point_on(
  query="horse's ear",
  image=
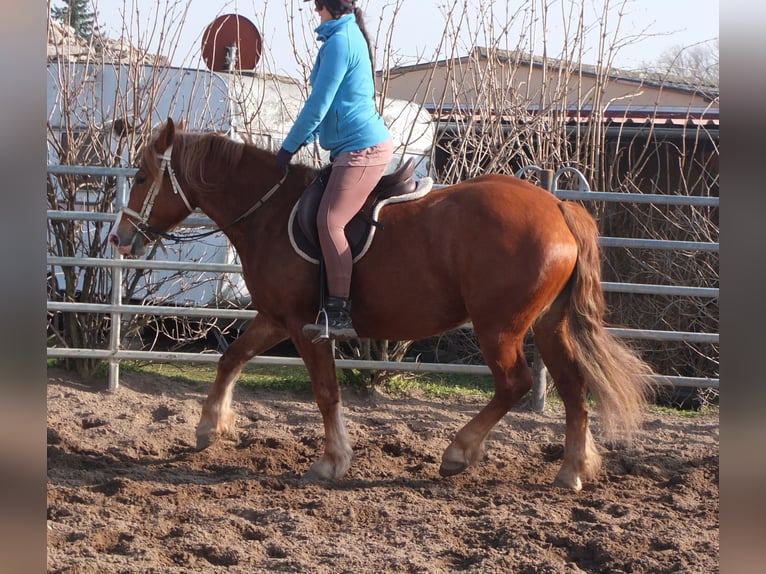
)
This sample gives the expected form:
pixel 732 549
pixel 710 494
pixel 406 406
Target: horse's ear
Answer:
pixel 181 125
pixel 165 137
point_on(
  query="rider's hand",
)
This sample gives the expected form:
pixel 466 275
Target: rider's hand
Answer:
pixel 283 160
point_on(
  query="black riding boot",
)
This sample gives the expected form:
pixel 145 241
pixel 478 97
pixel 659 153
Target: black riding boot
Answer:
pixel 338 313
pixel 334 321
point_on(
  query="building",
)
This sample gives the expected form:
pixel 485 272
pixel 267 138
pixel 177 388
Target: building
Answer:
pixel 503 95
pixel 472 81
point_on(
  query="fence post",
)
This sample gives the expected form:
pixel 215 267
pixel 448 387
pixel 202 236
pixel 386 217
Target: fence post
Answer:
pixel 116 300
pixel 114 335
pixel 539 372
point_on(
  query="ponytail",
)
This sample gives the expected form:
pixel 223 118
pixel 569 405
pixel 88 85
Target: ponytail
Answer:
pixel 360 22
pixel 338 8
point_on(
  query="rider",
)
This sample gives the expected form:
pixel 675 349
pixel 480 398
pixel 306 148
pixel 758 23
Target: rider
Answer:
pixel 341 110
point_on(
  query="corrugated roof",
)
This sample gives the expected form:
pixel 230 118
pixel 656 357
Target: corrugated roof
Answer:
pixel 618 115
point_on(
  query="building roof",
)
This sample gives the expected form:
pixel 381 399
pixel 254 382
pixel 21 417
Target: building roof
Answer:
pixel 665 81
pixel 617 119
pixel 64 45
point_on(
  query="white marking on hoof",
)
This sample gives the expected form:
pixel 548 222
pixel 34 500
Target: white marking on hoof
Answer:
pixel 321 470
pixel 325 469
pixel 209 432
pixel 454 461
pixel 566 478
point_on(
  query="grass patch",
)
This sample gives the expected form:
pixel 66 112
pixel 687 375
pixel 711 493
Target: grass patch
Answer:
pixel 705 410
pixel 294 379
pixel 439 385
pixel 400 384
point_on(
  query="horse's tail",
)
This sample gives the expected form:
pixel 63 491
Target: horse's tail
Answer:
pixel 614 373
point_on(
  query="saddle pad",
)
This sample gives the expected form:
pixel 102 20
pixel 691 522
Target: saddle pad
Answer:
pixel 307 250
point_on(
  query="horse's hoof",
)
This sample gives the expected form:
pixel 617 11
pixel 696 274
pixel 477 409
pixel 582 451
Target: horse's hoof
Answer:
pixel 204 441
pixel 452 467
pixel 320 471
pixel 313 477
pixel 456 459
pixel 326 469
pixel 569 481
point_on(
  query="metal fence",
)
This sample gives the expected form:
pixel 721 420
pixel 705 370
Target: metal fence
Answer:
pixel 117 309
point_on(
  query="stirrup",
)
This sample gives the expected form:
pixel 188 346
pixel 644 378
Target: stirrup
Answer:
pixel 317 331
pixel 322 331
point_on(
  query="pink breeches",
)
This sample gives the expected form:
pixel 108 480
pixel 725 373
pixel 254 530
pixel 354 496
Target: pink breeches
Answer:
pixel 354 175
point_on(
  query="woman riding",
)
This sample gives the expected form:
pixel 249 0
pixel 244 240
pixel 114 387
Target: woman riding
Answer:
pixel 341 111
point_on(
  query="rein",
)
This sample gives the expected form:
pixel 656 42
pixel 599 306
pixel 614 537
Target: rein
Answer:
pixel 143 226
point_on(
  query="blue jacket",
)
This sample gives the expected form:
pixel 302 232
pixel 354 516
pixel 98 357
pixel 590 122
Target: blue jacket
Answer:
pixel 340 109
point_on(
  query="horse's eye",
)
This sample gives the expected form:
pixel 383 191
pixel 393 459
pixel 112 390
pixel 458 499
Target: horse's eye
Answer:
pixel 140 179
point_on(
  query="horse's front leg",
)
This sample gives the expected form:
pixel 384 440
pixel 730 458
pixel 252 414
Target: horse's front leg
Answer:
pixel 218 418
pixel 319 360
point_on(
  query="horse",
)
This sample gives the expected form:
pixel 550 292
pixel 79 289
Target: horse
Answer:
pixel 495 250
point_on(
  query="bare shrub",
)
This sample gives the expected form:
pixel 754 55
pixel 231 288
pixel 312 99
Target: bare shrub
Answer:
pixel 104 96
pixel 491 118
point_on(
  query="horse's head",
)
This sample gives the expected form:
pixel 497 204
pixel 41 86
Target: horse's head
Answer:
pixel 156 202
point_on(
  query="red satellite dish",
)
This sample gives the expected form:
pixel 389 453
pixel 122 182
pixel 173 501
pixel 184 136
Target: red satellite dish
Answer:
pixel 231 37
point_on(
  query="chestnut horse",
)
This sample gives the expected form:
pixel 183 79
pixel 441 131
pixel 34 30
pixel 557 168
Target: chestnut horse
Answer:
pixel 496 250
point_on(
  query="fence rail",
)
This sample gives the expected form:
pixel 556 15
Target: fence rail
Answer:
pixel 117 309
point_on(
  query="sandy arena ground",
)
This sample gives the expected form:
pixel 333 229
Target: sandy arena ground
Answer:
pixel 127 492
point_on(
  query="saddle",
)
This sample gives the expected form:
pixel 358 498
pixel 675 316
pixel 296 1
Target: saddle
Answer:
pixel 397 186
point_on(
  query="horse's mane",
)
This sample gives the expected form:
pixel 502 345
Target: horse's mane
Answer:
pixel 204 157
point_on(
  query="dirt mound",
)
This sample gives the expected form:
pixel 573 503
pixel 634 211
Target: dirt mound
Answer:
pixel 128 493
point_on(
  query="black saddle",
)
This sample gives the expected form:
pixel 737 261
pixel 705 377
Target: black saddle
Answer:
pixel 304 221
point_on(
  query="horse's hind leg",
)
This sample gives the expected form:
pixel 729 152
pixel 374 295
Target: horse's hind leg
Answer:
pixel 581 458
pixel 512 379
pixel 218 418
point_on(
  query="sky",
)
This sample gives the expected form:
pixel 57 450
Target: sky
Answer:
pixel 646 29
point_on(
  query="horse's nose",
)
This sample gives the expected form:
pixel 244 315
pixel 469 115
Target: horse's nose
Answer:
pixel 114 239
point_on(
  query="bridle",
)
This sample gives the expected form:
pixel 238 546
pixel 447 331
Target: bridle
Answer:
pixel 154 190
pixel 141 222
